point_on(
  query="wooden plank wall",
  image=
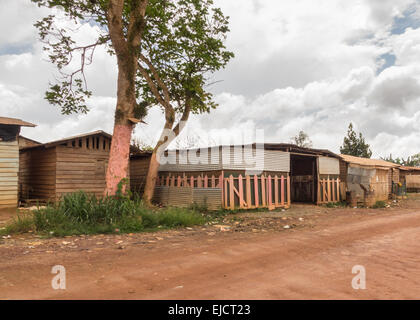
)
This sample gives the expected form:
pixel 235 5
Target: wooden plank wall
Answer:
pixel 379 184
pixel 81 165
pixel 9 167
pixel 37 174
pixel 138 172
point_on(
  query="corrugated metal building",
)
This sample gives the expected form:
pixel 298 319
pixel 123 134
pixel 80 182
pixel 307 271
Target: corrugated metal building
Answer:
pixel 410 176
pixel 286 171
pixel 369 179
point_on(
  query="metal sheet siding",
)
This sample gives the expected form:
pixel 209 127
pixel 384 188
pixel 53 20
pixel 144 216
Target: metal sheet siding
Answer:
pixel 228 158
pixel 184 196
pixel 191 161
pixel 329 165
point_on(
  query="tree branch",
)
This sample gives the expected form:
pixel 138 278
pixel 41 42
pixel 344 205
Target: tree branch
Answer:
pixel 161 84
pixel 115 26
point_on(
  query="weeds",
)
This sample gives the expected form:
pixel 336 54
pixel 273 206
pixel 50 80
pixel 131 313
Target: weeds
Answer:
pixel 81 213
pixel 379 204
pixel 340 204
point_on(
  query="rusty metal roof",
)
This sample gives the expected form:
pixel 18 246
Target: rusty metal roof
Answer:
pixel 406 168
pixel 15 122
pixel 133 149
pixel 368 162
pixel 64 140
pixel 286 147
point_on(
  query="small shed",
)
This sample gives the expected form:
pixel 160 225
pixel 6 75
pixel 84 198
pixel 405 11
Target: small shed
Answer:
pixel 50 170
pixel 9 160
pixel 411 177
pixel 369 179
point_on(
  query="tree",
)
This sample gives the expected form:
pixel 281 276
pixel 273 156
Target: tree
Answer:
pixel 302 140
pixel 165 51
pixel 412 161
pixel 355 146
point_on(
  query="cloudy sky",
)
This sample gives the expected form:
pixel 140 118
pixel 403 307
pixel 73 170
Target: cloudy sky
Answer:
pixel 300 65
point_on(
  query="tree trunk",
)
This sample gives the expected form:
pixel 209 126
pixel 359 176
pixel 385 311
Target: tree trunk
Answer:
pixel 166 138
pixel 119 157
pixel 152 174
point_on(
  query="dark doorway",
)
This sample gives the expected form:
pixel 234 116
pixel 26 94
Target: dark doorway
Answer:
pixel 303 172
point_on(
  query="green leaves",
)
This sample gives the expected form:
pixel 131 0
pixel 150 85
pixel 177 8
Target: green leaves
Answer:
pixel 70 97
pixel 355 146
pixel 183 40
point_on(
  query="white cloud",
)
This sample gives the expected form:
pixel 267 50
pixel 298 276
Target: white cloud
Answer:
pixel 299 65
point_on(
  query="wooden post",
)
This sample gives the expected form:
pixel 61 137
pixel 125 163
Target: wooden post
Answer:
pixel 329 189
pixel 173 181
pixel 167 181
pixel 263 194
pixel 221 186
pixel 213 181
pixel 248 191
pixel 282 190
pixel 276 191
pixel 319 192
pixel 270 193
pixel 288 191
pixel 231 193
pixel 241 191
pixel 192 181
pixel 185 181
pixel 225 192
pixel 199 182
pixel 206 181
pixel 179 181
pixel 338 189
pixel 257 200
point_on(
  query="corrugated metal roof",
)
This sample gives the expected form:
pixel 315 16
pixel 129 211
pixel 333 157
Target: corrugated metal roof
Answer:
pixel 406 168
pixel 134 150
pixel 287 147
pixel 368 162
pixel 15 122
pixel 64 140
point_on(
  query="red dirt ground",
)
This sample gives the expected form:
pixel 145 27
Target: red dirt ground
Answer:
pixel 251 256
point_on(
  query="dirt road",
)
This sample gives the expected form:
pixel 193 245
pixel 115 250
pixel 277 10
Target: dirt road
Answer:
pixel 307 261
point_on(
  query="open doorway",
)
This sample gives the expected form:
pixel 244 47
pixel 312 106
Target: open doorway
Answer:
pixel 303 173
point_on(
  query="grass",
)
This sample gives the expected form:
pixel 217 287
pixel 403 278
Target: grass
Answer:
pixel 379 204
pixel 340 204
pixel 80 213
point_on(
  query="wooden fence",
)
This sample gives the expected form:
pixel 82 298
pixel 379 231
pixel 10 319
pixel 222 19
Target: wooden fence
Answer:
pixel 328 190
pixel 246 192
pixel 192 182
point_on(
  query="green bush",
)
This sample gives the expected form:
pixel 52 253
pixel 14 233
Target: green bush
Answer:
pixel 379 204
pixel 81 213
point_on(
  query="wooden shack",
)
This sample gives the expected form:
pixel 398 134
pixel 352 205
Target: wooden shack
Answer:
pixel 50 170
pixel 370 180
pixel 9 160
pixel 251 176
pixel 410 176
